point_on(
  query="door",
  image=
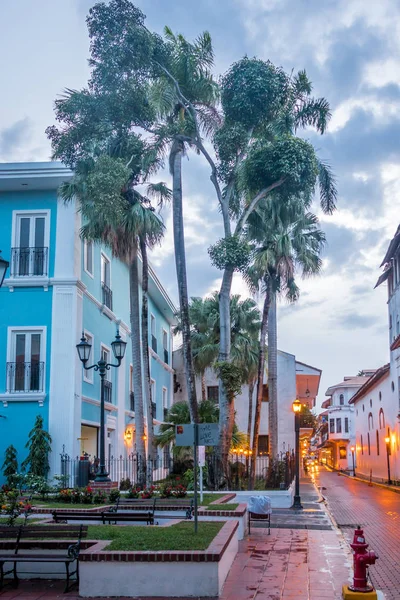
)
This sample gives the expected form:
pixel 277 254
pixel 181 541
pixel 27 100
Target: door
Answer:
pixel 31 258
pixel 26 373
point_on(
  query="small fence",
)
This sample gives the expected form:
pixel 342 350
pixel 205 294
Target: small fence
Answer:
pixel 269 473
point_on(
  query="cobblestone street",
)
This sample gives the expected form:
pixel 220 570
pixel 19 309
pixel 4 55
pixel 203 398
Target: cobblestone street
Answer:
pixel 377 510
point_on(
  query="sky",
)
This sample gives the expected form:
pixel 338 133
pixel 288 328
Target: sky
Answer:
pixel 351 52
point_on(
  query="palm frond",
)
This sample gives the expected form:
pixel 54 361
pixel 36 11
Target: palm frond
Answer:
pixel 327 187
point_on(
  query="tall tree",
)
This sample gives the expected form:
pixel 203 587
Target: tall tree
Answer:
pixel 39 446
pixel 287 239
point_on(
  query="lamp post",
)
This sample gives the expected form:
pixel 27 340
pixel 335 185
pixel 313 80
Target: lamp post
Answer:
pixel 388 453
pixel 352 456
pixel 296 409
pixel 3 268
pixel 84 348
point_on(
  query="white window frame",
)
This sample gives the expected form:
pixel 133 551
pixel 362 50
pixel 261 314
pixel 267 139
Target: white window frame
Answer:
pixel 26 396
pixel 16 214
pixel 130 378
pixel 165 395
pixel 165 332
pixel 153 320
pixel 107 349
pixel 153 391
pixel 85 265
pixel 88 375
pixel 103 255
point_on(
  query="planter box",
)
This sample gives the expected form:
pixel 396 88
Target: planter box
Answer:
pixel 239 515
pixel 161 574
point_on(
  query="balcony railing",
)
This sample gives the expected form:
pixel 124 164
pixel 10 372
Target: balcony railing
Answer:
pixel 131 401
pixel 25 377
pixel 107 391
pixel 166 356
pixel 154 343
pixel 107 296
pixel 153 410
pixel 29 262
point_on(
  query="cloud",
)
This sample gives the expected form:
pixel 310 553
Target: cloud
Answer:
pixel 15 138
pixel 352 320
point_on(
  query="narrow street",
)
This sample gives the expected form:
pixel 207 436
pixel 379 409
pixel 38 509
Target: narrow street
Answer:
pixel 377 510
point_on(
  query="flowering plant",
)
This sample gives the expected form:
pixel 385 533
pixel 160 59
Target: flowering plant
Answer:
pixel 87 495
pixel 76 496
pixel 135 491
pixel 179 491
pixel 148 492
pixel 166 491
pixel 13 508
pixel 64 495
pixel 100 497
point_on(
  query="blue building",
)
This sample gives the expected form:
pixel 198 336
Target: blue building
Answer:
pixel 58 286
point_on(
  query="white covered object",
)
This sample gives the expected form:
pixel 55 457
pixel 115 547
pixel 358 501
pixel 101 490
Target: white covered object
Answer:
pixel 260 505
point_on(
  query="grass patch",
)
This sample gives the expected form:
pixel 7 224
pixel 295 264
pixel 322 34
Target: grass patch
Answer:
pixel 177 537
pixel 20 521
pixel 208 498
pixel 222 506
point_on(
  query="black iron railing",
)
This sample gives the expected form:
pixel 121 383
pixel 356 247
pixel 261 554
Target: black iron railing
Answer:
pixel 25 376
pixel 131 401
pixel 29 262
pixel 153 343
pixel 166 356
pixel 107 391
pixel 107 296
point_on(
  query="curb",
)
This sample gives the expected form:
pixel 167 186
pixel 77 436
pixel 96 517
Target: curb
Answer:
pixel 372 483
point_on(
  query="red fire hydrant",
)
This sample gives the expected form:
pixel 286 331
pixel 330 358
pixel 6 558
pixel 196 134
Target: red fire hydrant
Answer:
pixel 362 559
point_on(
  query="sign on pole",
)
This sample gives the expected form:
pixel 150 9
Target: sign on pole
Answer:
pixel 202 456
pixel 208 434
pixel 184 435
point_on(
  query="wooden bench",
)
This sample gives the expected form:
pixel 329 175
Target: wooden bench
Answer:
pixel 185 504
pixel 257 517
pixel 32 532
pixel 106 516
pixel 70 556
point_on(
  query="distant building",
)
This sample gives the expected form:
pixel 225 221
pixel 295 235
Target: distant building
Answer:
pixel 295 380
pixel 57 287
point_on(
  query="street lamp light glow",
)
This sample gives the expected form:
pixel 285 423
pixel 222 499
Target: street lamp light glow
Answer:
pixel 352 448
pixel 387 440
pixel 296 406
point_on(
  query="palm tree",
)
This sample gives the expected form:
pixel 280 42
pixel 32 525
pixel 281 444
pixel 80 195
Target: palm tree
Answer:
pixel 187 81
pixel 286 239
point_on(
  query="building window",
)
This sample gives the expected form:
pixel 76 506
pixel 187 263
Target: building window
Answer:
pixel 88 373
pixel 362 445
pixel 341 400
pixel 105 355
pixel 263 445
pixel 370 402
pixel 212 393
pixel 331 425
pixel 392 386
pixel 338 425
pixel 131 393
pixel 369 444
pixel 165 401
pixel 377 442
pixel 363 408
pixel 88 257
pixel 346 424
pixel 342 452
pixel 390 322
pixel 381 419
pixel 153 333
pixel 380 396
pixel 106 282
pixel 153 399
pixel 165 346
pixel 370 421
pixel 29 256
pixel 25 368
pixel 265 394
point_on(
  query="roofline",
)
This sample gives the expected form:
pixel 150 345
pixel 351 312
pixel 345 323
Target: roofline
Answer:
pixel 309 366
pixel 162 290
pixel 371 383
pixel 33 169
pixel 343 384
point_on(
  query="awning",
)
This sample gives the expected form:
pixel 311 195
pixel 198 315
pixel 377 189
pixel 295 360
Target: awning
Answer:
pixel 384 276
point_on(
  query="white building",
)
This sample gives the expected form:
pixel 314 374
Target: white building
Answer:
pixel 295 380
pixel 339 430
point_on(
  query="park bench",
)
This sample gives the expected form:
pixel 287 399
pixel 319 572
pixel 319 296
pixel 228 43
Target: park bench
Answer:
pixel 68 556
pixel 184 504
pixel 106 516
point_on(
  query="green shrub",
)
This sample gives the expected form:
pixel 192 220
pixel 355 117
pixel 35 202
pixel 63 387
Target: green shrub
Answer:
pixel 114 495
pixel 166 490
pixel 100 497
pixel 87 495
pixel 134 492
pixel 76 496
pixel 125 485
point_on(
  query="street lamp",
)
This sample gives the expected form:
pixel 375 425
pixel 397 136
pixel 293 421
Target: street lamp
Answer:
pixel 3 268
pixel 83 349
pixel 388 453
pixel 352 456
pixel 296 409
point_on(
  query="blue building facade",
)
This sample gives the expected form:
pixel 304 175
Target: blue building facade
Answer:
pixel 58 286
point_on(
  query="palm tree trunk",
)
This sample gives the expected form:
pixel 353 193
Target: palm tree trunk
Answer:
pixel 203 386
pixel 260 382
pixel 137 367
pixel 250 417
pixel 180 261
pixel 146 360
pixel 226 404
pixel 273 380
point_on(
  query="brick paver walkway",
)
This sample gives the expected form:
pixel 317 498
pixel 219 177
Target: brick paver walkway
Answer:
pixel 377 510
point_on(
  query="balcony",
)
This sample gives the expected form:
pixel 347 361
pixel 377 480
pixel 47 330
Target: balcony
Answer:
pixel 24 377
pixel 131 401
pixel 166 356
pixel 107 296
pixel 153 343
pixel 29 262
pixel 107 391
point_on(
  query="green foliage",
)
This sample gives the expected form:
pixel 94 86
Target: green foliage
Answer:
pixel 188 477
pixel 253 92
pixel 125 484
pixel 230 253
pixel 10 465
pixel 231 376
pixel 114 495
pixel 13 507
pixel 100 497
pixel 39 446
